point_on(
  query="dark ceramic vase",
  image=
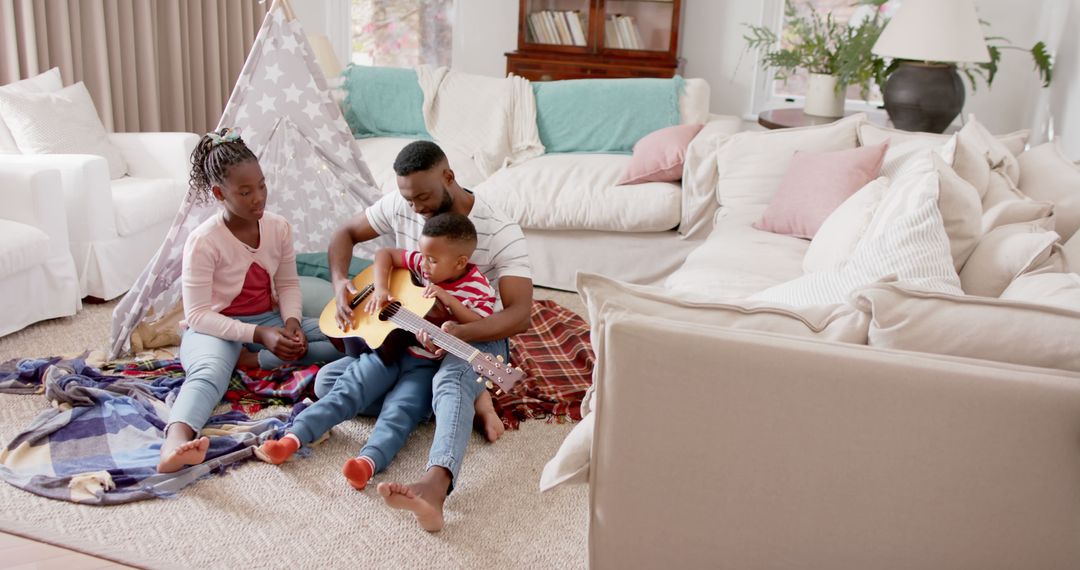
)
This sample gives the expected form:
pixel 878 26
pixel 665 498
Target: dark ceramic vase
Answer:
pixel 923 96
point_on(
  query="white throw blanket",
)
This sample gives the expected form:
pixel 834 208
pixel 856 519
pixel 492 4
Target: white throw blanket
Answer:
pixel 490 119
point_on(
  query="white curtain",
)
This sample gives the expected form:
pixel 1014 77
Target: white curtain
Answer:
pixel 150 65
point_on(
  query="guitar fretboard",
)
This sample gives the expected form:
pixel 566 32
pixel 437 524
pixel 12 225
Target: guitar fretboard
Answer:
pixel 414 323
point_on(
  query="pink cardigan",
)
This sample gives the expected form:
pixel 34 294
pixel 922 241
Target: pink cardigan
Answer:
pixel 215 265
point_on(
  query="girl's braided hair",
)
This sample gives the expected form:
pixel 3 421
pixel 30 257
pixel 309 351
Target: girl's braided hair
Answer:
pixel 211 160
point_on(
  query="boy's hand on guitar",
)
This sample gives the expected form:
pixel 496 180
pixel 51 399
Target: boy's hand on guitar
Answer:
pixel 343 295
pixel 434 290
pixel 428 344
pixel 280 342
pixel 379 299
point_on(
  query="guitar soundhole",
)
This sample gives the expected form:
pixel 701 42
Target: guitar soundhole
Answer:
pixel 389 310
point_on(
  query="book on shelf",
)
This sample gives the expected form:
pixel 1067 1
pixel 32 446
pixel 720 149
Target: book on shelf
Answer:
pixel 621 32
pixel 557 27
pixel 577 27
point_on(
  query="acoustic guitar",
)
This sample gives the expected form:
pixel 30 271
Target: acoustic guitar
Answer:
pixel 405 313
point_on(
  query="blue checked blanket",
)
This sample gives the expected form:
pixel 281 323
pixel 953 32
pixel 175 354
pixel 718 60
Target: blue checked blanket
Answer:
pixel 99 443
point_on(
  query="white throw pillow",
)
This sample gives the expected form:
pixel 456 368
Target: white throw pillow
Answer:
pixel 62 122
pixel 1015 212
pixel 42 83
pixel 987 164
pixel 1032 334
pixel 1003 255
pixel 751 164
pixel 906 239
pixel 835 241
pixel 1056 289
pixel 871 134
pixel 1046 174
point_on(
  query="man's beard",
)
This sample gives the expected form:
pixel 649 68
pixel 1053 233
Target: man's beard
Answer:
pixel 446 204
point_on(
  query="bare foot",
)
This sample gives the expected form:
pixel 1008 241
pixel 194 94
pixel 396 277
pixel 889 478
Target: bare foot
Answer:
pixel 188 453
pixel 248 360
pixel 410 498
pixel 486 420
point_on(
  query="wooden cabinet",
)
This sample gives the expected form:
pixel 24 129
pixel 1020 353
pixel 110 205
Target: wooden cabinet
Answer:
pixel 576 39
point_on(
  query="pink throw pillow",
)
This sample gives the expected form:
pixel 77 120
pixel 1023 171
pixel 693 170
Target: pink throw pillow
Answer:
pixel 659 155
pixel 815 184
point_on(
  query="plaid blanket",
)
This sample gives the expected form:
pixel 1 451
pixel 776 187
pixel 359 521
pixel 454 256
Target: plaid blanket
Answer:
pixel 556 354
pixel 100 443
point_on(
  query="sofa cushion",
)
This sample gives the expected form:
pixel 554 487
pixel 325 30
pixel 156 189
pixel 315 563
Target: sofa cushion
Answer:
pixel 751 164
pixel 1015 212
pixel 815 184
pixel 21 247
pixel 60 122
pixel 906 240
pixel 1004 254
pixel 736 260
pixel 1046 174
pixel 604 115
pixel 578 191
pixel 143 202
pixel 380 152
pixel 871 133
pixel 835 241
pixel 383 102
pixel 1022 333
pixel 46 82
pixel 1056 289
pixel 659 155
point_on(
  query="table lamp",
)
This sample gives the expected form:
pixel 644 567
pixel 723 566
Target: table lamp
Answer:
pixel 925 92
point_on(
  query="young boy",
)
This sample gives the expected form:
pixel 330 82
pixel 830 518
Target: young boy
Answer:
pixel 448 241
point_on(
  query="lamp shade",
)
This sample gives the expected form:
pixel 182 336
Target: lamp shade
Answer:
pixel 934 30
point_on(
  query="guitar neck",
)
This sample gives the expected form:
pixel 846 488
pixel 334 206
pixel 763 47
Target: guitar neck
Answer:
pixel 414 323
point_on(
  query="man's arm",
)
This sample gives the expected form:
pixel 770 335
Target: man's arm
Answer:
pixel 339 255
pixel 516 294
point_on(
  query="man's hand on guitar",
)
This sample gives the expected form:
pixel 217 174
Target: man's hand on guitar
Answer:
pixel 428 344
pixel 279 341
pixel 379 299
pixel 343 295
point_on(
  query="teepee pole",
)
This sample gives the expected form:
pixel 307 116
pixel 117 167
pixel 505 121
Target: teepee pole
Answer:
pixel 285 6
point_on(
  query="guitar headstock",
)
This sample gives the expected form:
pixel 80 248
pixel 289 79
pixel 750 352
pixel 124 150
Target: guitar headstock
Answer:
pixel 495 369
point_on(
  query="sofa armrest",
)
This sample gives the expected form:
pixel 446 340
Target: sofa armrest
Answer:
pixel 30 197
pixel 700 176
pixel 86 187
pixel 763 449
pixel 157 155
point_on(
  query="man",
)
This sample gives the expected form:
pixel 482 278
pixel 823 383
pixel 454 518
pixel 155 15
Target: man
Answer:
pixel 427 187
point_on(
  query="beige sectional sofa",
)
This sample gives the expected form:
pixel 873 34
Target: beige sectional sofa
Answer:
pixel 896 429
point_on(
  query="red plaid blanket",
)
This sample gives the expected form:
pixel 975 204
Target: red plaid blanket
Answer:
pixel 556 354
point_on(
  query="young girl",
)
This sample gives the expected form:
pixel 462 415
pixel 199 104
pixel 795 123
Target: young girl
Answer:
pixel 240 290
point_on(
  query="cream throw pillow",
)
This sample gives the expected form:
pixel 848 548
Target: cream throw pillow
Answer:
pixel 835 241
pixel 752 164
pixel 1056 289
pixel 906 239
pixel 42 83
pixel 61 122
pixel 1046 174
pixel 976 327
pixel 1004 254
pixel 1015 212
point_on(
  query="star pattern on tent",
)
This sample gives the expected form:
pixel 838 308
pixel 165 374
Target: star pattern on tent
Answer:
pixel 273 73
pixel 292 94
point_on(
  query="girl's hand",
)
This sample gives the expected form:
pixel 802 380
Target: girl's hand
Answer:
pixel 343 295
pixel 379 299
pixel 434 290
pixel 281 343
pixel 293 329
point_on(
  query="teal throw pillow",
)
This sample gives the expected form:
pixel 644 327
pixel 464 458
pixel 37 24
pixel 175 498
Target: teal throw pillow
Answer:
pixel 316 294
pixel 604 115
pixel 383 102
pixel 316 265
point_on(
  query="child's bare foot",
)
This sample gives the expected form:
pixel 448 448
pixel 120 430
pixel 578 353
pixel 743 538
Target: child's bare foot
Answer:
pixel 412 497
pixel 188 453
pixel 248 360
pixel 276 451
pixel 358 471
pixel 486 420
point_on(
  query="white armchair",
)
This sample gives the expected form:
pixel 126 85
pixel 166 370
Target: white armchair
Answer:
pixel 38 280
pixel 116 226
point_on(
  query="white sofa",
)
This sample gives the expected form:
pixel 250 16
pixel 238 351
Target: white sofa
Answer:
pixel 38 280
pixel 774 437
pixel 575 216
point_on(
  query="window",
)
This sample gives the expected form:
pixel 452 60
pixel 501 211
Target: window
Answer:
pixel 770 92
pixel 401 33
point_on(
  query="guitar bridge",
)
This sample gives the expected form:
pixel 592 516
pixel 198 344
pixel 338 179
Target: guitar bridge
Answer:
pixel 361 295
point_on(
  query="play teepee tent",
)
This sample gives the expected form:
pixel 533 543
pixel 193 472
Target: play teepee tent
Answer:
pixel 314 170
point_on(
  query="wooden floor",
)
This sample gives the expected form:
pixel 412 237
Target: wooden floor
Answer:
pixel 20 553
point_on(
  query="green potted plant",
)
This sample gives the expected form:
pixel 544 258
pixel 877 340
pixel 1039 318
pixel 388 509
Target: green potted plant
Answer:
pixel 835 54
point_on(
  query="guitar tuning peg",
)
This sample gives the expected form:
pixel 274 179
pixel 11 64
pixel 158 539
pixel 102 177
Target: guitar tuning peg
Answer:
pixel 499 358
pixel 489 384
pixel 479 379
pixel 498 392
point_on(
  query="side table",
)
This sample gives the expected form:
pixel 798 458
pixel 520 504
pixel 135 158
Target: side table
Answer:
pixel 794 117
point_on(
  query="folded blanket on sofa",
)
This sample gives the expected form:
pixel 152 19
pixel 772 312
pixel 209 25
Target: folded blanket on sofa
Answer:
pixel 493 120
